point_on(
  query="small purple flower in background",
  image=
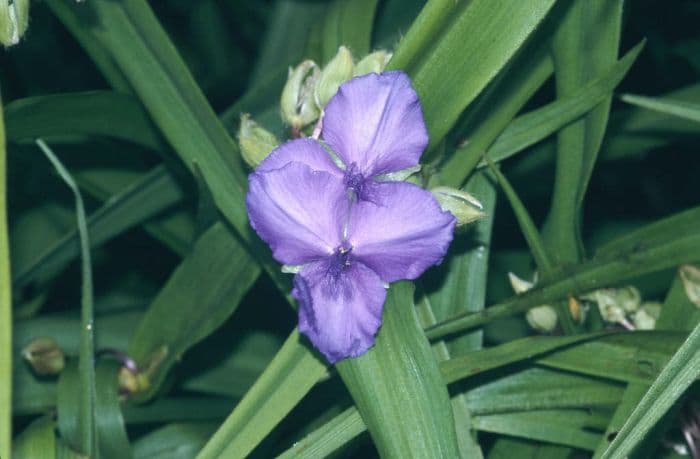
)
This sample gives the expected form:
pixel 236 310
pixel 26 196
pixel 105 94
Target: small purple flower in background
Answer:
pixel 374 125
pixel 349 247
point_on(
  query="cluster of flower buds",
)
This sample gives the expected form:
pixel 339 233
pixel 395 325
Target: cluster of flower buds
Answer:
pixel 305 95
pixel 624 306
pixel 309 88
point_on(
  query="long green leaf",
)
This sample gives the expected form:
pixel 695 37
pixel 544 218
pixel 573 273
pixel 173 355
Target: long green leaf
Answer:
pixel 493 110
pixel 347 22
pixel 37 440
pixel 136 41
pixel 5 308
pixel 564 427
pixel 112 440
pixel 86 366
pixel 538 124
pixel 153 193
pixel 682 370
pixel 288 378
pixel 480 35
pixel 407 416
pixel 93 113
pixel 584 46
pixel 200 295
pixel 643 251
pixel 174 441
pixel 679 108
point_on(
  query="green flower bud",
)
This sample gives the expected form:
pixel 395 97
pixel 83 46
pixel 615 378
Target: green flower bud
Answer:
pixel 45 356
pixel 14 19
pixel 542 318
pixel 465 207
pixel 646 316
pixel 336 72
pixel 297 102
pixel 690 276
pixel 255 141
pixel 372 63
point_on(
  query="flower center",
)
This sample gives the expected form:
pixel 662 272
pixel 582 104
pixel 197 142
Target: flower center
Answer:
pixel 340 260
pixel 354 180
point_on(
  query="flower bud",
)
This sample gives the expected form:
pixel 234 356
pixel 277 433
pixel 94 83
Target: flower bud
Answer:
pixel 14 19
pixel 465 207
pixel 336 72
pixel 44 356
pixel 690 276
pixel 542 318
pixel 297 102
pixel 608 304
pixel 372 63
pixel 628 298
pixel 646 316
pixel 255 141
pixel 519 285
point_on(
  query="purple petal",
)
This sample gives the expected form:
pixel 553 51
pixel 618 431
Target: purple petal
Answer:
pixel 306 151
pixel 339 312
pixel 375 121
pixel 403 236
pixel 297 211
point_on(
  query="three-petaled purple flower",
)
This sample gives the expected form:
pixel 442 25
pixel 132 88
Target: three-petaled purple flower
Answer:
pixel 350 232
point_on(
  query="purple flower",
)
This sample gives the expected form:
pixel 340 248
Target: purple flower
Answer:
pixel 348 248
pixel 374 125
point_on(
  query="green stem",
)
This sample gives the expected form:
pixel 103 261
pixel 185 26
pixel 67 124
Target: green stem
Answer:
pixel 86 359
pixel 5 312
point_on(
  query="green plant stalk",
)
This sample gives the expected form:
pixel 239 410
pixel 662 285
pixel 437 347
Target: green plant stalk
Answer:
pixel 5 309
pixel 584 46
pixel 588 276
pixel 534 242
pixel 86 367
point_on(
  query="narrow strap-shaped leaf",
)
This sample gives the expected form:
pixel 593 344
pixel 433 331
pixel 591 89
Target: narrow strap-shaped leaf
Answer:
pixel 564 427
pixel 198 297
pixel 406 415
pixel 640 252
pixel 584 45
pixel 5 308
pixel 682 370
pixel 325 440
pixel 349 23
pixel 92 113
pixel 112 441
pixel 36 440
pixel 86 365
pixel 494 109
pixel 285 381
pixel 678 313
pixel 136 41
pixel 679 108
pixel 538 124
pixel 174 441
pixel 151 194
pixel 480 35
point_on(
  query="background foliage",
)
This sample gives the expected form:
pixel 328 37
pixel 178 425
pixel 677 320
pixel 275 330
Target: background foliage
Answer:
pixel 140 104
